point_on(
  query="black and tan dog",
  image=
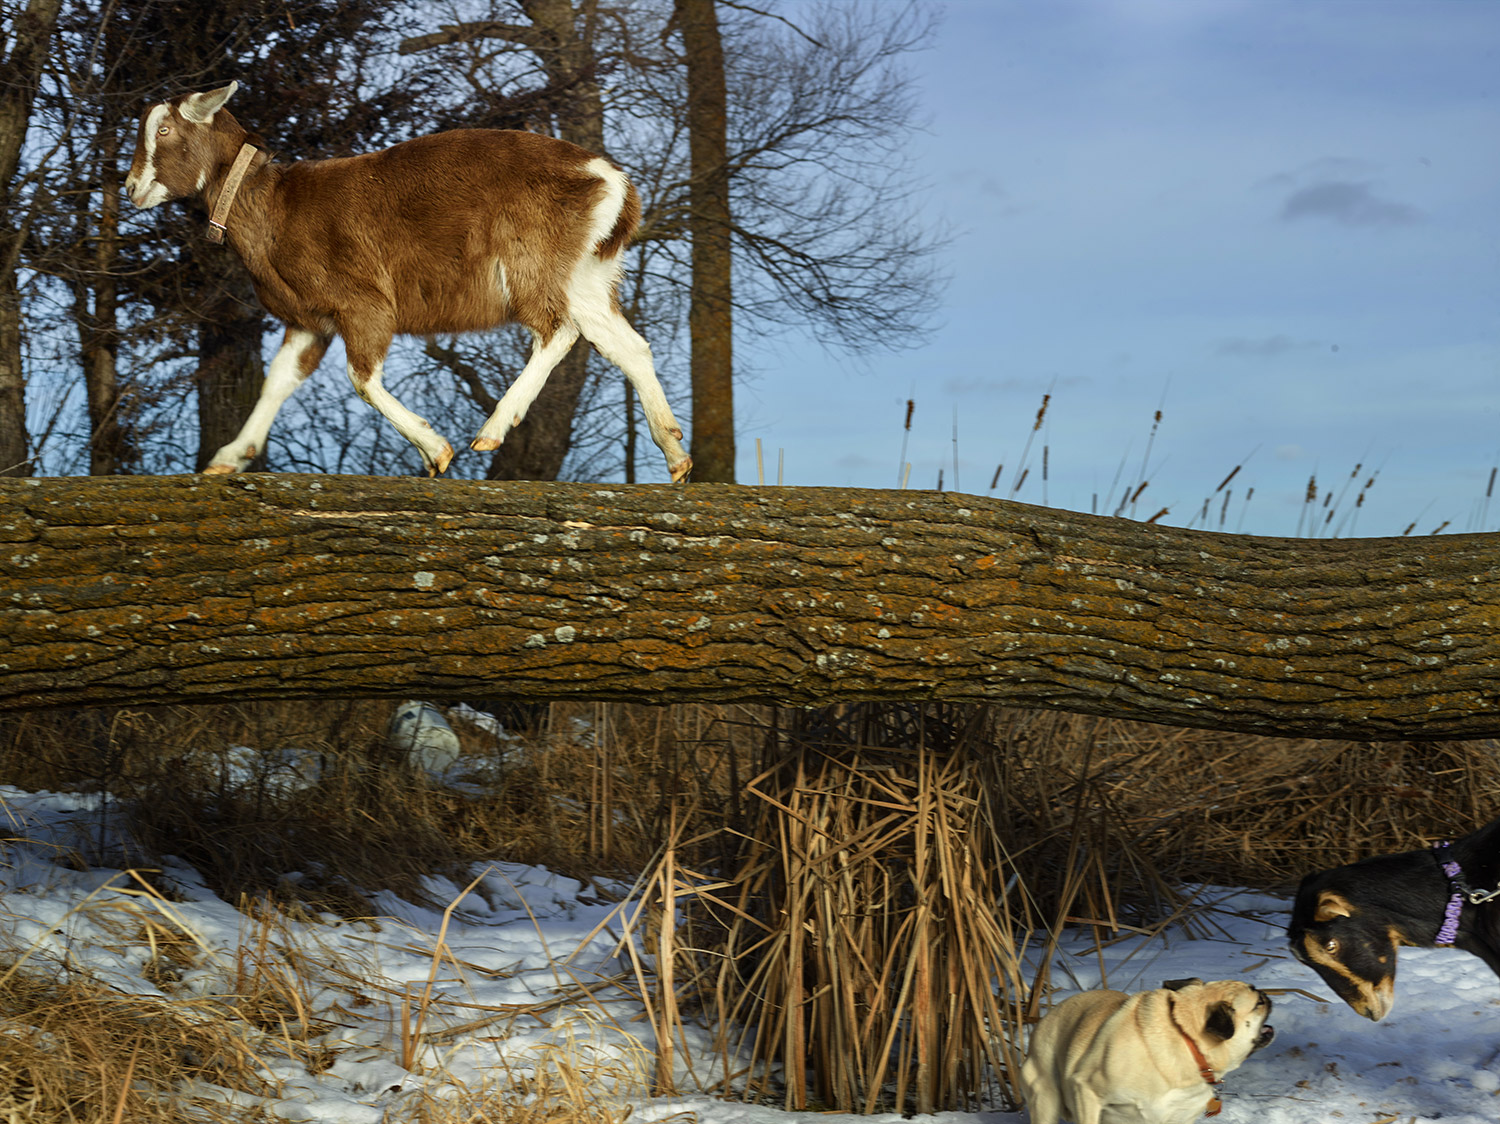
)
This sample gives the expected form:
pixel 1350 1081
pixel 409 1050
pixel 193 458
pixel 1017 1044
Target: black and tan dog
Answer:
pixel 1348 922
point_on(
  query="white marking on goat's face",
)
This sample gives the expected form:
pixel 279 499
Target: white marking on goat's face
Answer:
pixel 142 185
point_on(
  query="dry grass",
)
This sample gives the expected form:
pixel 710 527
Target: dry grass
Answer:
pixel 851 888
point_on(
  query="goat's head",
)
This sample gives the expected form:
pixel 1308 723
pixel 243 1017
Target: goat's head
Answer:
pixel 178 147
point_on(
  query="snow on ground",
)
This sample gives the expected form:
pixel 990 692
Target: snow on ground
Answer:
pixel 1435 1057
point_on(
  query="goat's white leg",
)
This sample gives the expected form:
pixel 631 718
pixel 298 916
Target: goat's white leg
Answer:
pixel 545 355
pixel 368 376
pixel 299 356
pixel 608 330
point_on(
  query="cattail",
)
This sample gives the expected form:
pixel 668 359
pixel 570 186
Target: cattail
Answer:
pixel 911 405
pixel 1440 527
pixel 1041 413
pixel 1312 490
pixel 1025 472
pixel 1137 494
pixel 1158 515
pixel 1233 472
pixel 1490 490
pixel 995 479
pixel 1409 528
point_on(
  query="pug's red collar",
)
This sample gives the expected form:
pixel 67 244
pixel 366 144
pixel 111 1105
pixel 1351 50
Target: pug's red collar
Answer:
pixel 1205 1071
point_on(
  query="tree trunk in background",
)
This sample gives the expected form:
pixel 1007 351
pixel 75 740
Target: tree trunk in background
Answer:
pixel 537 448
pixel 710 317
pixel 143 590
pixel 98 328
pixel 21 70
pixel 231 365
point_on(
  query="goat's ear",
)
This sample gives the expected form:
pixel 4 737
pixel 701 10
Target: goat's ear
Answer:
pixel 200 108
pixel 1331 905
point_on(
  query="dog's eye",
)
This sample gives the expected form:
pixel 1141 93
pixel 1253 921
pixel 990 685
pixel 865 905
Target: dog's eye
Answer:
pixel 1331 944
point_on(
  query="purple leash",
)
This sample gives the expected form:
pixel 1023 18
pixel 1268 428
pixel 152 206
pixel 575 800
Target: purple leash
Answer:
pixel 1462 892
pixel 1449 932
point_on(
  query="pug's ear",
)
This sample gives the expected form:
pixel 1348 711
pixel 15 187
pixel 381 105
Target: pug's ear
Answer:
pixel 1178 985
pixel 1220 1022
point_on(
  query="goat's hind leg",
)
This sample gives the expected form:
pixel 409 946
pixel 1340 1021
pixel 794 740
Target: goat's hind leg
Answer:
pixel 300 353
pixel 608 330
pixel 545 355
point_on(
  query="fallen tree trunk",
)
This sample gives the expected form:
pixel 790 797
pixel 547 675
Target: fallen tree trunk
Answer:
pixel 138 590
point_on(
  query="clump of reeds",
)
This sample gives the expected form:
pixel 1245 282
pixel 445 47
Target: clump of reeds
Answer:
pixel 863 947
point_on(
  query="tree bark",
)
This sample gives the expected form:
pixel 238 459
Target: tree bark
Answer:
pixel 710 315
pixel 137 590
pixel 31 32
pixel 98 319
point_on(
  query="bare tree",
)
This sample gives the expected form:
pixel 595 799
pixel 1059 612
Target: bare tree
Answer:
pixel 826 205
pixel 711 314
pixel 30 34
pixel 567 104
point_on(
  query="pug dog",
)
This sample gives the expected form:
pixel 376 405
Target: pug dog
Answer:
pixel 1156 1057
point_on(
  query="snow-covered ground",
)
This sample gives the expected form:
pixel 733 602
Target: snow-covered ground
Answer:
pixel 525 961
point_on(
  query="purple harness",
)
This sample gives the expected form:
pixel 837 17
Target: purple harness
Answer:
pixel 1462 892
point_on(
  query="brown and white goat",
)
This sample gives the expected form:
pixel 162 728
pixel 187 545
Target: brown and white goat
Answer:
pixel 454 232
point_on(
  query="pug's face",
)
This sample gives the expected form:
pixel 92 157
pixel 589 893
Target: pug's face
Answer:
pixel 1226 1018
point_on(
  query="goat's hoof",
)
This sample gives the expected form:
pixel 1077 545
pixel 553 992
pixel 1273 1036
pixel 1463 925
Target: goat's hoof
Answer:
pixel 220 470
pixel 484 444
pixel 681 469
pixel 440 466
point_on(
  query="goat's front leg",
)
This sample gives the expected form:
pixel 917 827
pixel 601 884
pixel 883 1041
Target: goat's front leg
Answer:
pixel 299 355
pixel 367 373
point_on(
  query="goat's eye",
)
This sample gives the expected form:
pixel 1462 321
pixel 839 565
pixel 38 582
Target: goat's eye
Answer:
pixel 164 130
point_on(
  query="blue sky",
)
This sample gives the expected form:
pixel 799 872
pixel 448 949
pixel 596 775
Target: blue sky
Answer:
pixel 1276 222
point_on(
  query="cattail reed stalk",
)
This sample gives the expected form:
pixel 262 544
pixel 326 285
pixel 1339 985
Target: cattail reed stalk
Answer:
pixel 1022 468
pixel 1150 441
pixel 1309 498
pixel 1244 507
pixel 911 405
pixel 956 486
